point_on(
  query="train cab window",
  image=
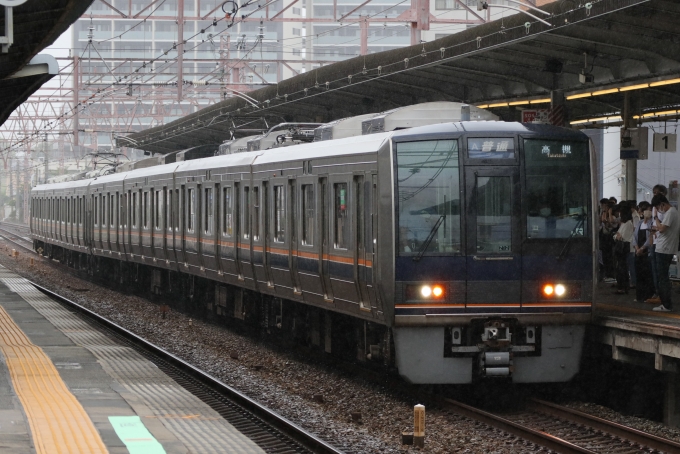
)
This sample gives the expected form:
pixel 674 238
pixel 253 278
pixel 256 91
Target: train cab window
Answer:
pixel 208 213
pixel 308 205
pixel 557 188
pixel 246 212
pixel 428 198
pixel 494 215
pixel 191 218
pixel 256 213
pixel 227 212
pixel 341 227
pixel 146 210
pixel 279 214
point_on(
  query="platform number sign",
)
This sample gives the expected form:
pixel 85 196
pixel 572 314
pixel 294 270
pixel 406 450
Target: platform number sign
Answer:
pixel 665 142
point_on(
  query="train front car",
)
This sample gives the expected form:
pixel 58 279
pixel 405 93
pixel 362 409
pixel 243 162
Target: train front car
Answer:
pixel 493 251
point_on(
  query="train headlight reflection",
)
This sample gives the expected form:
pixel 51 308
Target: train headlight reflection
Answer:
pixel 560 290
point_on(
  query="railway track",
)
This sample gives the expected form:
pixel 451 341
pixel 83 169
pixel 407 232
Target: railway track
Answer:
pixel 567 431
pixel 16 237
pixel 273 433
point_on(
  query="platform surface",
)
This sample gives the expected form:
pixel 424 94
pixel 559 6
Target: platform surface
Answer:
pixel 610 307
pixel 65 387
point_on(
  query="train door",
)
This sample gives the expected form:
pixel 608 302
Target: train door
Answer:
pixel 236 235
pixel 493 239
pixel 325 249
pixel 183 225
pixel 266 234
pixel 362 204
pixel 292 221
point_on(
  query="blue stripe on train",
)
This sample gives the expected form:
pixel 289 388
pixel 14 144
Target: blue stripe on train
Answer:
pixel 534 268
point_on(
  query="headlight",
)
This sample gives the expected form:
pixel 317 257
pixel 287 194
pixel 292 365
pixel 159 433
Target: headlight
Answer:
pixel 571 291
pixel 423 292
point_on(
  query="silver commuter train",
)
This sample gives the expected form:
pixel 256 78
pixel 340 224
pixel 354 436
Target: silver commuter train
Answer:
pixel 455 251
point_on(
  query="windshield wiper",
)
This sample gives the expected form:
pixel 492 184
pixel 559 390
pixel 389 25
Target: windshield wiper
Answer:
pixel 427 242
pixel 581 221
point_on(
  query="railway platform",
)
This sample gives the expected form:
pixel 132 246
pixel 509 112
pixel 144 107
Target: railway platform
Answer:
pixel 67 388
pixel 637 335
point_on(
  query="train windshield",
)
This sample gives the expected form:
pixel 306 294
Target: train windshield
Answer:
pixel 557 188
pixel 428 197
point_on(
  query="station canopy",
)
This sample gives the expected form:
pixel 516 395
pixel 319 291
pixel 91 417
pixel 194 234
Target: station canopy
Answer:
pixel 36 25
pixel 592 55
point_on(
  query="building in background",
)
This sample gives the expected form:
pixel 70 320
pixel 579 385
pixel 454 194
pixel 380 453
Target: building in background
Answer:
pixel 135 64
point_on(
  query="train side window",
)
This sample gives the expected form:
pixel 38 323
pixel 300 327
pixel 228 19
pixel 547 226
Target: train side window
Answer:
pixel 134 209
pixel 279 214
pixel 208 211
pixel 246 212
pixel 341 227
pixel 146 208
pixel 227 212
pixel 105 210
pixel 256 213
pixel 308 214
pixel 158 204
pixel 112 209
pixel 192 210
pixel 96 211
pixel 68 210
pixel 121 211
pixel 182 208
pixel 168 210
pixel 175 211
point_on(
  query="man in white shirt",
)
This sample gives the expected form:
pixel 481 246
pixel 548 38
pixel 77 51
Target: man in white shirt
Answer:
pixel 666 245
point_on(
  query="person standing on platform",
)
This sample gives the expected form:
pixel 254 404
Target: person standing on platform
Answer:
pixel 642 242
pixel 656 190
pixel 667 239
pixel 623 238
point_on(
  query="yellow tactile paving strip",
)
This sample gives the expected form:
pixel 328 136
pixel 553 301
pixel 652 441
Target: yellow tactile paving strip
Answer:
pixel 58 422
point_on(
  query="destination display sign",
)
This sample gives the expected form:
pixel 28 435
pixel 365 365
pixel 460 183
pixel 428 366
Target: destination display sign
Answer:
pixel 491 148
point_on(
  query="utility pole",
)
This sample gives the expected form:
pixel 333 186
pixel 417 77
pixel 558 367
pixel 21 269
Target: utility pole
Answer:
pixel 628 166
pixel 180 48
pixel 363 21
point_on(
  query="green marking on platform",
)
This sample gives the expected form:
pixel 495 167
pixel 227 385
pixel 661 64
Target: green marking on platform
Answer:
pixel 137 439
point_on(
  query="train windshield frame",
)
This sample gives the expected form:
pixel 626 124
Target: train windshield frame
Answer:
pixel 557 188
pixel 428 200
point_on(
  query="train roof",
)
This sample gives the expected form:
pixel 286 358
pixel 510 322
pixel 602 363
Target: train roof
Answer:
pixel 491 127
pixel 340 147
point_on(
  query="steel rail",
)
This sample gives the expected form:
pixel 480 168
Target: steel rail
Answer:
pixel 5 235
pixel 534 436
pixel 304 438
pixel 610 427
